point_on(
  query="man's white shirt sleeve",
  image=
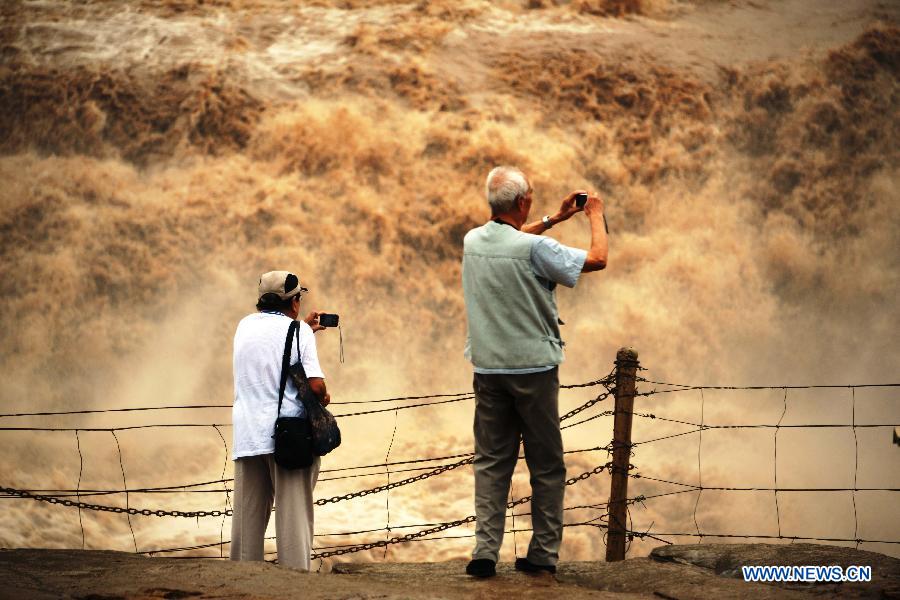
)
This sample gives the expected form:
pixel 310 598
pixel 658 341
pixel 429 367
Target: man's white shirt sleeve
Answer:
pixel 306 352
pixel 555 262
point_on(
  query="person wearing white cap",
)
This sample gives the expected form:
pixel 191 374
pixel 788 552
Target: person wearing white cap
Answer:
pixel 258 350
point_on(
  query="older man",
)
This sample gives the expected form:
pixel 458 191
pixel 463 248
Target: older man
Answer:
pixel 510 273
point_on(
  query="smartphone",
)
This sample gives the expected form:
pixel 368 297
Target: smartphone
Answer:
pixel 327 320
pixel 581 200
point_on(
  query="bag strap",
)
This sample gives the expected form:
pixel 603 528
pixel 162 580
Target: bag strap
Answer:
pixel 286 363
pixel 299 365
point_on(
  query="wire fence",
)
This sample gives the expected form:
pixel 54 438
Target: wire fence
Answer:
pixel 430 467
pixel 698 488
pixel 72 497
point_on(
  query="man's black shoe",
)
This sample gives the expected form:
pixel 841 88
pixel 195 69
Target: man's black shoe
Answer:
pixel 481 567
pixel 523 564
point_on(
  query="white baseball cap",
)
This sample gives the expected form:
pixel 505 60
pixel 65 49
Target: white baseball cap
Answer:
pixel 283 283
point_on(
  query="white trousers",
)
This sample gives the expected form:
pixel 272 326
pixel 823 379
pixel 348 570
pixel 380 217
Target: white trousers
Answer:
pixel 258 481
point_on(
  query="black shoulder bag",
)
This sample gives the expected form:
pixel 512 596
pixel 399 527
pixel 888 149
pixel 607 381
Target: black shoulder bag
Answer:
pixel 293 436
pixel 326 436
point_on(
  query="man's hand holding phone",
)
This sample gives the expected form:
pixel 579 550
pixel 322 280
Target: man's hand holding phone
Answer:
pixel 571 205
pixel 594 205
pixel 320 320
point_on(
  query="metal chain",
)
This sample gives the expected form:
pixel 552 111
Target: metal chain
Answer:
pixel 321 502
pixel 227 512
pixel 116 509
pixel 586 405
pixel 448 525
pixel 450 467
pixel 396 484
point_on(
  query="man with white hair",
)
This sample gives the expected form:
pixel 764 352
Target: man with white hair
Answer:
pixel 510 273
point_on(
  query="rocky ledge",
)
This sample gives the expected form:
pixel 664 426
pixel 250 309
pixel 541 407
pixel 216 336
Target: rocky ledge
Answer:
pixel 674 572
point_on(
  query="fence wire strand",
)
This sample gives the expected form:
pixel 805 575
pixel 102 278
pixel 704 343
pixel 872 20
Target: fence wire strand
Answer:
pixel 455 397
pixel 775 489
pixel 780 419
pixel 78 486
pixel 125 485
pixel 427 531
pixel 699 466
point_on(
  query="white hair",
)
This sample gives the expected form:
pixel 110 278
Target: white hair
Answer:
pixel 504 186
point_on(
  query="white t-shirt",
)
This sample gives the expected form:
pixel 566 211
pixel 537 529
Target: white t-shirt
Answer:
pixel 258 351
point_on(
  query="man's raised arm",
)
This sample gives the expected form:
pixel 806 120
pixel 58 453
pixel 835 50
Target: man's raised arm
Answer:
pixel 566 210
pixel 599 250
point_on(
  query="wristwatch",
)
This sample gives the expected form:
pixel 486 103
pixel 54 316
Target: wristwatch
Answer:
pixel 546 221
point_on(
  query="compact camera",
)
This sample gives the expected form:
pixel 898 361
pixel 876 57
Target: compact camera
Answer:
pixel 327 320
pixel 581 199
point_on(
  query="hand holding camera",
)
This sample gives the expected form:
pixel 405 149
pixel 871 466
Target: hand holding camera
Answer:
pixel 328 320
pixel 320 320
pixel 594 206
pixel 572 204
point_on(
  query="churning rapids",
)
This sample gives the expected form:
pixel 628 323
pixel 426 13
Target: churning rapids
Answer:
pixel 157 156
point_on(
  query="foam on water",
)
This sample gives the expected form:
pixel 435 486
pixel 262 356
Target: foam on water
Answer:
pixel 157 158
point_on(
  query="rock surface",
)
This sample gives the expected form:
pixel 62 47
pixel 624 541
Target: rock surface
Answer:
pixel 696 571
pixel 726 560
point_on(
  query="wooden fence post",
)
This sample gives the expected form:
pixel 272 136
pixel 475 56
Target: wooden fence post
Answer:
pixel 626 369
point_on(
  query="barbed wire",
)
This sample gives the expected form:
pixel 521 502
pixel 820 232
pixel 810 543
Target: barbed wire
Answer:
pixel 381 529
pixel 604 414
pixel 444 526
pixel 698 488
pixel 13 492
pixel 427 534
pixel 468 459
pixel 113 429
pixel 59 499
pixel 419 536
pixel 170 425
pixel 185 487
pixel 639 534
pixel 685 387
pixel 171 489
pixel 695 487
pixel 704 427
pixel 391 409
pixel 113 410
pixel 464 396
pixel 427 539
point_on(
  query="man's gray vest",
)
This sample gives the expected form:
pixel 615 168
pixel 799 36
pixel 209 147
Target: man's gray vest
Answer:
pixel 513 319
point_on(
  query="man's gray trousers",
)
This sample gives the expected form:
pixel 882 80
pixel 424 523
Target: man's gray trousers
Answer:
pixel 507 407
pixel 258 481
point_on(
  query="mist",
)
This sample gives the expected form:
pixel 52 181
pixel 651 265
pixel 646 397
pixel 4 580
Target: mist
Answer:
pixel 157 157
